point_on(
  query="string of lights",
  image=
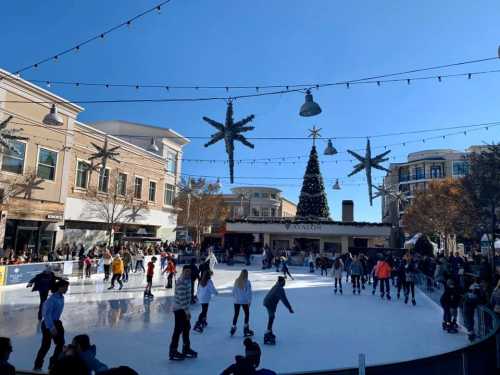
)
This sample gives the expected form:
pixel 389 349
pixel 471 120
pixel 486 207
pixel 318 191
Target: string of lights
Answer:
pixel 78 46
pixel 257 94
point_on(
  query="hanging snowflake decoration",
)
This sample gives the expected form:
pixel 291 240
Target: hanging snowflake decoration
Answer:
pixel 367 163
pixel 9 135
pixel 383 191
pixel 104 153
pixel 230 132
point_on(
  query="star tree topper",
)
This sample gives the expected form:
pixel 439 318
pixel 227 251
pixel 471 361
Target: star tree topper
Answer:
pixel 230 132
pixel 367 163
pixel 9 135
pixel 104 153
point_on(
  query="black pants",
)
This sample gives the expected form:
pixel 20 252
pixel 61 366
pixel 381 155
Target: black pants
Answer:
pixel 139 263
pixel 43 298
pixel 203 314
pixel 339 281
pixel 375 283
pixel 117 277
pixel 311 267
pixel 47 338
pixel 182 326
pixel 386 283
pixel 324 270
pixel 401 284
pixel 449 314
pixel 287 272
pixel 169 279
pixel 126 269
pixel 410 287
pixel 106 271
pixel 246 310
pixel 271 313
pixel 355 281
pixel 88 270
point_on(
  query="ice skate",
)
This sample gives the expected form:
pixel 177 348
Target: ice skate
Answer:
pixel 382 295
pixel 174 355
pixel 340 291
pixel 406 299
pixel 353 291
pixel 232 331
pixel 121 287
pixel 111 287
pixel 198 327
pixel 269 338
pixel 189 353
pixel 204 323
pixel 388 297
pixel 247 332
pixel 445 326
pixel 335 291
pixel 373 292
pixel 359 291
pixel 413 302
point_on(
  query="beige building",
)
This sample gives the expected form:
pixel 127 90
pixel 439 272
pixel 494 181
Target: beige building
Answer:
pixel 48 173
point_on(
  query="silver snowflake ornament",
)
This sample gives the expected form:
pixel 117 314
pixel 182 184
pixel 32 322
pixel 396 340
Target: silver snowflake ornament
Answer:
pixel 104 153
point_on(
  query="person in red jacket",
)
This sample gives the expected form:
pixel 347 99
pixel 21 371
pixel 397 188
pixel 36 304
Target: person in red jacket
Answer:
pixel 383 273
pixel 170 269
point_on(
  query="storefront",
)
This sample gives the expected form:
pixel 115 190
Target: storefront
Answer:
pixel 34 237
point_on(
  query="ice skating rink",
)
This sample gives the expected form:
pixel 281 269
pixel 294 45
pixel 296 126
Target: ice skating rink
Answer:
pixel 327 330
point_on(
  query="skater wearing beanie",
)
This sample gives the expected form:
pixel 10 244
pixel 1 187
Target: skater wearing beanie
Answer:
pixel 356 273
pixel 337 268
pixel 450 301
pixel 118 270
pixel 205 290
pixel 383 274
pixel 271 300
pixel 242 294
pixel 182 317
pixel 149 277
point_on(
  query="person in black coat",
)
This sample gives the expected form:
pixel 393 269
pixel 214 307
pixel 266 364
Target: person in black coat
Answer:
pixel 449 301
pixel 271 300
pixel 5 349
pixel 43 283
pixel 195 274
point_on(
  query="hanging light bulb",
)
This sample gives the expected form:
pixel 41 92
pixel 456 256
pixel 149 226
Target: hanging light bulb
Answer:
pixel 153 147
pixel 336 185
pixel 310 107
pixel 330 150
pixel 53 118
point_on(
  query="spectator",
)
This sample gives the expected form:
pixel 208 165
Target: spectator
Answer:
pixel 473 298
pixel 69 364
pixel 87 353
pixel 5 349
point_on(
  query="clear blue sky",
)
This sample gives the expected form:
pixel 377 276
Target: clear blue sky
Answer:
pixel 265 42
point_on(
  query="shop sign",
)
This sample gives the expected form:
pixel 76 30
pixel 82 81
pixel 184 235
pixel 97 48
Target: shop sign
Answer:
pixel 307 227
pixel 54 217
pixel 3 274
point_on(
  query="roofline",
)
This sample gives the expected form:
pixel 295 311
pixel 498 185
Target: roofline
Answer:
pixel 7 76
pixel 120 140
pixel 289 201
pixel 181 139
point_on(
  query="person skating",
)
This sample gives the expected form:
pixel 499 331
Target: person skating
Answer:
pixel 195 274
pixel 271 300
pixel 473 298
pixel 338 266
pixel 149 278
pixel 52 327
pixel 139 261
pixel 87 265
pixel 106 261
pixel 450 301
pixel 212 260
pixel 205 291
pixel 410 274
pixel 127 264
pixel 399 274
pixel 43 283
pixel 5 349
pixel 171 272
pixel 242 294
pixel 182 317
pixel 347 266
pixel 383 274
pixel 356 273
pixel 118 269
pixel 284 268
pixel 311 259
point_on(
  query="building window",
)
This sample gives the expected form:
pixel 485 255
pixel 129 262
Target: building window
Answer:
pixel 172 162
pixel 82 174
pixel 404 174
pixel 152 191
pixel 460 168
pixel 273 196
pixel 436 171
pixel 47 163
pixel 14 161
pixel 255 212
pixel 168 198
pixel 256 195
pixel 265 211
pixel 121 184
pixel 265 195
pixel 419 173
pixel 273 212
pixel 138 188
pixel 102 186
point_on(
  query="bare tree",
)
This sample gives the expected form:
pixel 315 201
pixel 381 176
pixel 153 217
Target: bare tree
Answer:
pixel 114 206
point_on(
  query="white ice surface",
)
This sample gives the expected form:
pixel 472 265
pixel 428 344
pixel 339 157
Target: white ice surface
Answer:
pixel 327 331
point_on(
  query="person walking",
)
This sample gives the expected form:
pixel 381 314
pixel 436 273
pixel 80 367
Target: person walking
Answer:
pixel 356 273
pixel 106 260
pixel 117 269
pixel 383 274
pixel 52 327
pixel 149 278
pixel 127 264
pixel 204 294
pixel 337 269
pixel 271 300
pixel 43 283
pixel 182 300
pixel 242 294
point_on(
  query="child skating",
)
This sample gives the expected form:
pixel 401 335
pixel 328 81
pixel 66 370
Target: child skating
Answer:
pixel 205 291
pixel 271 300
pixel 149 278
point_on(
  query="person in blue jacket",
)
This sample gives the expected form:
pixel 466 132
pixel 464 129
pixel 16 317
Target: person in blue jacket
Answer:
pixel 52 327
pixel 87 353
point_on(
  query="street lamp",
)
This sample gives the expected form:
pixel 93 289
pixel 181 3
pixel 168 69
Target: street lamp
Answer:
pixel 153 147
pixel 53 118
pixel 310 107
pixel 330 150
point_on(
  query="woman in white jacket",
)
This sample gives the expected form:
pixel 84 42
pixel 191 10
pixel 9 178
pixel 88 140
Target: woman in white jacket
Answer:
pixel 204 294
pixel 242 294
pixel 212 260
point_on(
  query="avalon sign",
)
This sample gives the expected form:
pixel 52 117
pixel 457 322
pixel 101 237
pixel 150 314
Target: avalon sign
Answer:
pixel 54 217
pixel 307 227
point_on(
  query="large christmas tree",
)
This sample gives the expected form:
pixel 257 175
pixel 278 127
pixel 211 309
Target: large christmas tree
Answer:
pixel 312 202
